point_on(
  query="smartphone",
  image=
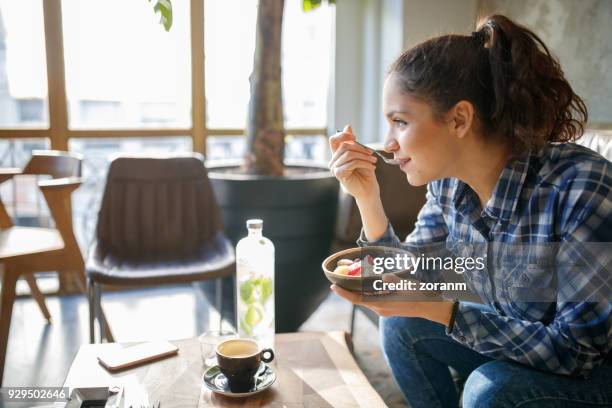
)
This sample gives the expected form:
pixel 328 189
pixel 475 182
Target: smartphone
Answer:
pixel 115 360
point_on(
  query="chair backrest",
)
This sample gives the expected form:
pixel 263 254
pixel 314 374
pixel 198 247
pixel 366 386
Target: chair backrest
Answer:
pixel 65 169
pixel 54 163
pixel 161 206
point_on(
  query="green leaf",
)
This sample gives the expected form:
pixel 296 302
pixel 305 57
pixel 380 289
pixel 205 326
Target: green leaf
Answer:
pixel 254 315
pixel 247 292
pixel 164 8
pixel 308 5
pixel 266 289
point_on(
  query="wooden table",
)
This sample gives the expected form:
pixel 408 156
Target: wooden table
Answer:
pixel 313 370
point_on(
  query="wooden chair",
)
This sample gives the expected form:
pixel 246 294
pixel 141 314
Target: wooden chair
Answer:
pixel 26 250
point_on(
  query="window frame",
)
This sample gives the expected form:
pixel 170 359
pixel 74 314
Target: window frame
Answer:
pixel 59 133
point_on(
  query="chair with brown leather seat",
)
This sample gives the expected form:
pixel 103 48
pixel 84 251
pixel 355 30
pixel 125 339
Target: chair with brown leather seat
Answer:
pixel 158 224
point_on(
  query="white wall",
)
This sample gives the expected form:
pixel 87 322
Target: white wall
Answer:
pixel 429 18
pixel 369 36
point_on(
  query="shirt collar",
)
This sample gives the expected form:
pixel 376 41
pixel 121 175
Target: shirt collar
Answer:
pixel 507 191
pixel 505 197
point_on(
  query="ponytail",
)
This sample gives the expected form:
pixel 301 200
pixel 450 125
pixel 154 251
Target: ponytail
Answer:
pixel 516 86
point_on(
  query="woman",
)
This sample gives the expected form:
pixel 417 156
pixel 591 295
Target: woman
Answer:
pixel 485 121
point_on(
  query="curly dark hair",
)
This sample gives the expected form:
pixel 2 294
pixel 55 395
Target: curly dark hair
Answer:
pixel 517 87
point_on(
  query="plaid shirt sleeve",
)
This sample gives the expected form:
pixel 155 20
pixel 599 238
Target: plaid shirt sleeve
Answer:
pixel 579 337
pixel 429 228
pixel 428 237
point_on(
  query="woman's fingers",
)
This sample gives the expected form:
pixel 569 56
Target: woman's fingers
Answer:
pixel 351 151
pixel 345 170
pixel 350 296
pixel 337 138
pixel 355 298
pixel 346 135
pixel 349 145
pixel 350 155
pixel 390 278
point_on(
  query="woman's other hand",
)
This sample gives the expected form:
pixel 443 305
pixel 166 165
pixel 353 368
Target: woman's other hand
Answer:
pixel 353 165
pixel 436 309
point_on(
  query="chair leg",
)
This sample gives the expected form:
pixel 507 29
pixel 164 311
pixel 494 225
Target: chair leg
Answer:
pixel 352 329
pixel 7 294
pixel 92 312
pixel 37 295
pixel 98 305
pixel 87 286
pixel 107 330
pixel 219 300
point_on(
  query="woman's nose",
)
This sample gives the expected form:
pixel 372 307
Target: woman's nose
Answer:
pixel 391 145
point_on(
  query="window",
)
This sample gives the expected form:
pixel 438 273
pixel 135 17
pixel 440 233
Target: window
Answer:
pixel 122 69
pixel 21 197
pixel 309 148
pixel 297 147
pixel 230 44
pixel 307 48
pixel 23 76
pixel 225 147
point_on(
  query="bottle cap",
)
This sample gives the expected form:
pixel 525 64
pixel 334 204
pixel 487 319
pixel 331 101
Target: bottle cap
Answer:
pixel 254 223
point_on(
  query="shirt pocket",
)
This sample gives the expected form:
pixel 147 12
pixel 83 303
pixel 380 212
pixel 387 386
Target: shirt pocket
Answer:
pixel 460 245
pixel 529 282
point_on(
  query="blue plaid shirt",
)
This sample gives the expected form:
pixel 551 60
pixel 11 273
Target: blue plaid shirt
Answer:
pixel 546 235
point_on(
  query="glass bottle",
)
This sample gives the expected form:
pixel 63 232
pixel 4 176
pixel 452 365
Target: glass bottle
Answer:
pixel 255 285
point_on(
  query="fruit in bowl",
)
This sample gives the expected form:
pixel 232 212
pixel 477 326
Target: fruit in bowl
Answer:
pixel 356 269
pixel 352 267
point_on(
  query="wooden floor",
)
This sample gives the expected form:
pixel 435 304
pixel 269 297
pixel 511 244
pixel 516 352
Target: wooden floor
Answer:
pixel 40 354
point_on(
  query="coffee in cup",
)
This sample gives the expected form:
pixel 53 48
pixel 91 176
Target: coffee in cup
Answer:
pixel 239 360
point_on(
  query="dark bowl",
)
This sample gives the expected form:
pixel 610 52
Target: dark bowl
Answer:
pixel 365 282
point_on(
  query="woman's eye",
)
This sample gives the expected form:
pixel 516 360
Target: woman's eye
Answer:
pixel 399 123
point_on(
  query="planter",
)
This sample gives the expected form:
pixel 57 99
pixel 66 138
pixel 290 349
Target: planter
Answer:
pixel 299 213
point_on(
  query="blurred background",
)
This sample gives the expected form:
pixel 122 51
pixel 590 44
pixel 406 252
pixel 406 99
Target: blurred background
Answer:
pixel 103 78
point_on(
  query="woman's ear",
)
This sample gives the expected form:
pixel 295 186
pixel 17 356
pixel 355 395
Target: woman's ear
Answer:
pixel 461 118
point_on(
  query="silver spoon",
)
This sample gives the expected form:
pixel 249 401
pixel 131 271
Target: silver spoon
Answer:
pixel 392 162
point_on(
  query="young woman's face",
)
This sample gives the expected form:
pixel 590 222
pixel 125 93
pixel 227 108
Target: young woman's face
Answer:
pixel 425 147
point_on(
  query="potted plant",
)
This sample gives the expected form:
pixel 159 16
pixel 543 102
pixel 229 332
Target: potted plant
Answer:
pixel 297 201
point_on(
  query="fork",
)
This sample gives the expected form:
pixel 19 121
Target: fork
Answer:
pixel 392 162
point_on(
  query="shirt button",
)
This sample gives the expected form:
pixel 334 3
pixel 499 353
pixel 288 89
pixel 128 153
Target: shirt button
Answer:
pixel 462 339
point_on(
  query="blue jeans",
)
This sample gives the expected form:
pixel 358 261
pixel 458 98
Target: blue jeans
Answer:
pixel 419 353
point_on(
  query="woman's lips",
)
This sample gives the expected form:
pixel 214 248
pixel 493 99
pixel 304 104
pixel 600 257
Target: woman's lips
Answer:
pixel 402 162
